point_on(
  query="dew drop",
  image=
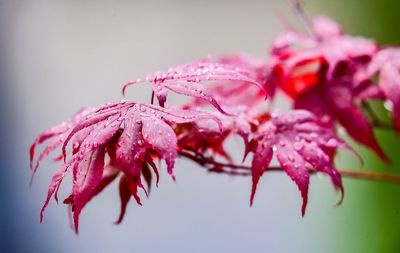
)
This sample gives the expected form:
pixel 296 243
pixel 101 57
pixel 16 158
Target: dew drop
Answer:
pixel 388 105
pixel 75 145
pixel 297 146
pixel 332 143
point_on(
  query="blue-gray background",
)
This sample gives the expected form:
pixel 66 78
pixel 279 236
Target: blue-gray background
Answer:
pixel 56 56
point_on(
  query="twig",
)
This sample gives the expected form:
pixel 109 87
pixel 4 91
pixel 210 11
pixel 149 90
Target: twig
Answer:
pixel 373 176
pixel 381 125
pixel 303 16
pixel 243 170
pixel 152 98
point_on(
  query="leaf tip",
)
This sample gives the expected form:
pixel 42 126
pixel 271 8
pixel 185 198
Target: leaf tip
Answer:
pixel 341 192
pixel 304 205
pixel 32 154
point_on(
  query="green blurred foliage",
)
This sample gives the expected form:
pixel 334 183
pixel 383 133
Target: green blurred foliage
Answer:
pixel 377 19
pixel 369 218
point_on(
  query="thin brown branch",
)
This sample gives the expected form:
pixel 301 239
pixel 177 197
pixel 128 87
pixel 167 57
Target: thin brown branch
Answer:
pixel 243 170
pixel 152 98
pixel 381 125
pixel 204 161
pixel 373 176
pixel 303 16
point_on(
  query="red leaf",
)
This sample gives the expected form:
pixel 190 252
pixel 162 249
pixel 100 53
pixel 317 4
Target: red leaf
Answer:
pixel 387 64
pixel 147 176
pixel 55 183
pixel 261 160
pixel 60 133
pixel 87 176
pixel 295 167
pixel 187 80
pixel 298 141
pixel 325 50
pixel 125 195
pixel 339 98
pixel 160 136
pixel 130 134
pixel 329 86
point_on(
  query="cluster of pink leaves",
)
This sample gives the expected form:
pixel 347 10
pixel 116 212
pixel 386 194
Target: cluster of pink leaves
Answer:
pixel 333 75
pixel 327 75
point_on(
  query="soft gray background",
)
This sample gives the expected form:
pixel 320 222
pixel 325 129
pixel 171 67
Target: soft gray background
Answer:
pixel 59 55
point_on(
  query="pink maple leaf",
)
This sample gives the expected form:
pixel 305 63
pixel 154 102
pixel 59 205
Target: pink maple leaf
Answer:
pixel 299 143
pixel 386 63
pixel 188 80
pixel 130 134
pixel 321 76
pixel 201 137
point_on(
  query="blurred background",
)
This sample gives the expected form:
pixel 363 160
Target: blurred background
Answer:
pixel 56 56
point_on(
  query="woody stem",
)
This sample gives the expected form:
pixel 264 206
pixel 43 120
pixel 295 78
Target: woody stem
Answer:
pixel 302 15
pixel 152 98
pixel 243 170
